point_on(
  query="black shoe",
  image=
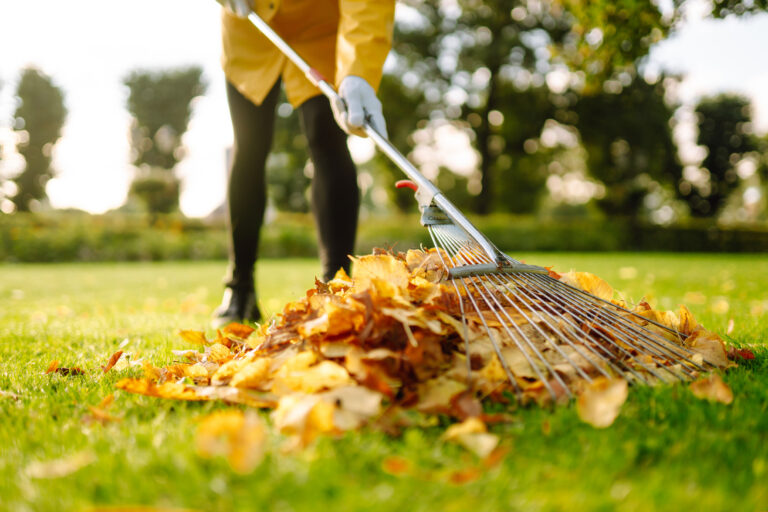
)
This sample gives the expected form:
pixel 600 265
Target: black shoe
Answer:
pixel 236 306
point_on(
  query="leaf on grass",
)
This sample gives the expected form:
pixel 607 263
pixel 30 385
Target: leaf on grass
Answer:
pixel 62 467
pixel 238 436
pixel 196 337
pixel 99 412
pixel 8 394
pixel 735 353
pixel 52 367
pixel 600 403
pixel 712 388
pixel 68 372
pixel 396 466
pixel 112 361
pixel 473 435
pixel 709 346
pixel 173 390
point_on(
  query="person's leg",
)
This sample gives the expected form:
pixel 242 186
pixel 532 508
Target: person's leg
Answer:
pixel 335 195
pixel 246 200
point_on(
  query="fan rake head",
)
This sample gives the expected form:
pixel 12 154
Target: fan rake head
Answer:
pixel 542 327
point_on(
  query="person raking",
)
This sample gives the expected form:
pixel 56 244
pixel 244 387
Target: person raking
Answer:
pixel 348 42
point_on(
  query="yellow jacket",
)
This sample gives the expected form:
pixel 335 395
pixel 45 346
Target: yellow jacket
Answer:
pixel 337 37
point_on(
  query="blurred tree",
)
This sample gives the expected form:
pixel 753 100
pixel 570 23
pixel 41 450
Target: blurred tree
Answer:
pixel 160 103
pixel 723 8
pixel 629 143
pixel 38 121
pixel 500 68
pixel 725 130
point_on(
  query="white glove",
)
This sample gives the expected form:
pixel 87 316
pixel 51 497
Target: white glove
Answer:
pixel 357 103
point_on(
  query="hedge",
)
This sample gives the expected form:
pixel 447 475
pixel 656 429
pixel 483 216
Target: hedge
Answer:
pixel 69 236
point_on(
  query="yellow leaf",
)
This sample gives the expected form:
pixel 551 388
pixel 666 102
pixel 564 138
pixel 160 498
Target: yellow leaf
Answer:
pixel 590 283
pixel 324 375
pixel 712 388
pixel 252 375
pixel 383 268
pixel 600 403
pixel 237 436
pixel 219 353
pixel 195 337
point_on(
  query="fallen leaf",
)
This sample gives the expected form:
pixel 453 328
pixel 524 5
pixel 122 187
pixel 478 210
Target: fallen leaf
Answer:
pixel 8 394
pixel 112 361
pixel 396 466
pixel 62 467
pixel 238 436
pixel 52 367
pixel 196 337
pixel 712 388
pixel 472 434
pixel 69 372
pixel 464 476
pixel 599 404
pixel 740 353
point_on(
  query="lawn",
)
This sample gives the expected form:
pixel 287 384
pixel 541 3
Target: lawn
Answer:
pixel 666 451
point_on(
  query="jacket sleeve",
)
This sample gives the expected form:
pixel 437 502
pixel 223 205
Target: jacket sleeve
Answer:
pixel 364 39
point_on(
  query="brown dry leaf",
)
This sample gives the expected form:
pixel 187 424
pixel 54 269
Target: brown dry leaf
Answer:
pixel 238 436
pixel 195 337
pixel 68 372
pixel 709 346
pixel 712 388
pixel 114 358
pixel 599 404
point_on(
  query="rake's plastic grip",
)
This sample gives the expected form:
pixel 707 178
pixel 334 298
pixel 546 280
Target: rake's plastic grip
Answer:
pixel 407 184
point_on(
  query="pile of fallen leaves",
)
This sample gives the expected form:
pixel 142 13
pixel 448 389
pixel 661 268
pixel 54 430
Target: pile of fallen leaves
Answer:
pixel 367 349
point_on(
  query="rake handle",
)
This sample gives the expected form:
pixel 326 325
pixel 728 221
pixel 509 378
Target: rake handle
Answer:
pixel 427 192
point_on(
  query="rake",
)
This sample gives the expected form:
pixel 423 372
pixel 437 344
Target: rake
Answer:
pixel 563 332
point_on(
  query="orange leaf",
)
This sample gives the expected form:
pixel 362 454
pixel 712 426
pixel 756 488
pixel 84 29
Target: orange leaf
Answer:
pixel 713 389
pixel 112 361
pixel 465 476
pixel 238 331
pixel 52 367
pixel 396 466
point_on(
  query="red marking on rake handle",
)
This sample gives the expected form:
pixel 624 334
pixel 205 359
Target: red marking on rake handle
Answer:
pixel 407 184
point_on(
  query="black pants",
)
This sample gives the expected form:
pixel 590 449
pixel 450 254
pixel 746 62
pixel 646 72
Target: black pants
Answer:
pixel 335 195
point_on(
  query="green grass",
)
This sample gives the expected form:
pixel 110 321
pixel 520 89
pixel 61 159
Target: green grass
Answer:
pixel 666 451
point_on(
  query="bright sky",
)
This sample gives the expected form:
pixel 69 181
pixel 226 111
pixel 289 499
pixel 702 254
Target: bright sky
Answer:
pixel 88 46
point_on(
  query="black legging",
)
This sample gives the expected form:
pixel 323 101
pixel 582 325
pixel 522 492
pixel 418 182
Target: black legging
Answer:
pixel 335 195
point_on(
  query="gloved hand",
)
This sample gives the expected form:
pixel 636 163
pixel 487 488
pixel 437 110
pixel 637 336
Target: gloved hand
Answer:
pixel 358 101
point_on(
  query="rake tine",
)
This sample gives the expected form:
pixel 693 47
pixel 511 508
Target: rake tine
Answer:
pixel 461 309
pixel 512 336
pixel 620 331
pixel 605 338
pixel 491 336
pixel 672 351
pixel 527 299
